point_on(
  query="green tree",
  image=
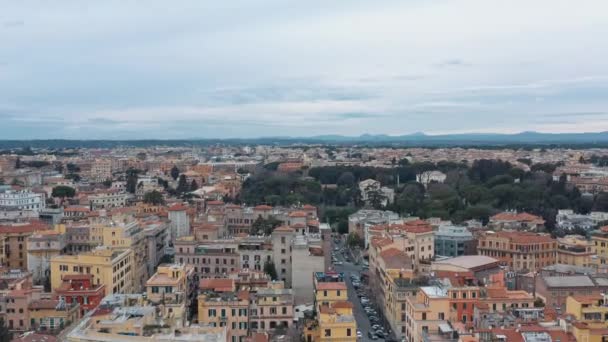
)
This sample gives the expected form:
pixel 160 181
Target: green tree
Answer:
pixel 271 270
pixel 18 163
pixel 182 185
pixel 5 333
pixel 193 185
pixel 154 197
pixel 63 192
pixel 264 226
pixel 174 172
pixel 107 183
pixel 132 180
pixel 354 240
pixel 346 179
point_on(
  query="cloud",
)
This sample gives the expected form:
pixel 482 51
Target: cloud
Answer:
pixel 226 69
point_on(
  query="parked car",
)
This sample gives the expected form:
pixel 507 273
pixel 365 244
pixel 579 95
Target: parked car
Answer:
pixel 359 334
pixel 372 336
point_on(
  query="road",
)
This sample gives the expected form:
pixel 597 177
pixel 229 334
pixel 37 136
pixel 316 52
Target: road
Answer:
pixel 348 268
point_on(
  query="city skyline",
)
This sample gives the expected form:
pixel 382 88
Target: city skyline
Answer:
pixel 208 70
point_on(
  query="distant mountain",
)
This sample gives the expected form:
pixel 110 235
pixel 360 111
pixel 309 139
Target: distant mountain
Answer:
pixel 599 139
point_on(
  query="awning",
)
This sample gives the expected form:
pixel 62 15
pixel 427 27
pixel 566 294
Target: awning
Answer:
pixel 445 328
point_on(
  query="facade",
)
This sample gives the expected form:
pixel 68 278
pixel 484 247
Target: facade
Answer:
pixel 52 314
pixel 307 257
pixel 41 247
pixel 554 290
pixel 574 250
pixel 112 268
pixel 107 199
pixel 517 221
pixel 15 242
pixel 79 289
pixel 599 245
pixel 453 241
pixel 221 305
pixel 22 203
pixel 213 259
pixel 271 308
pixel 329 288
pixel 172 285
pixel 179 222
pixel 521 251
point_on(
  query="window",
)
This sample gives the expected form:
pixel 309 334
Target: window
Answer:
pixel 338 293
pixel 464 295
pixel 424 316
pixel 348 332
pixel 441 316
pixel 284 311
pixel 325 293
pixel 327 333
pixel 474 294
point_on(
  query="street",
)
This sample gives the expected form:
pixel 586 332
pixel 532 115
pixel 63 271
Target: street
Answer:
pixel 348 268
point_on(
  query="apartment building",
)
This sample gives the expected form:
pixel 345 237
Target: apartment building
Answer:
pixel 427 313
pixel 334 323
pixel 101 170
pixel 453 241
pixel 41 247
pixel 15 242
pixel 179 223
pixel 271 308
pixel 52 315
pixel 128 318
pixel 599 245
pixel 107 199
pixel 20 204
pixel 521 251
pixel 172 285
pixel 517 221
pixel 591 317
pixel 213 259
pixel 575 250
pixel 221 305
pixel 80 289
pixel 113 268
pixel 329 288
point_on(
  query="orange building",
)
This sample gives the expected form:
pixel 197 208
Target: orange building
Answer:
pixel 522 251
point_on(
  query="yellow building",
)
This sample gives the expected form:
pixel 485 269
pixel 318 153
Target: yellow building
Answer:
pixel 171 284
pixel 220 305
pixel 591 315
pixel 52 315
pixel 329 288
pixel 427 312
pixel 125 233
pixel 112 268
pixel 599 242
pixel 337 323
pixel 574 250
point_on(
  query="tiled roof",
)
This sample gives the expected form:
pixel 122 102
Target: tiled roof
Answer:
pixel 334 285
pixel 297 214
pixel 215 284
pixel 262 207
pixel 178 207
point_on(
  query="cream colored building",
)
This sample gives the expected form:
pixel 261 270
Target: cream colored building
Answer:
pixel 113 268
pixel 574 250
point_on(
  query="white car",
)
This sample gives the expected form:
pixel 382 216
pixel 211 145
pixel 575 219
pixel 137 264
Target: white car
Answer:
pixel 338 263
pixel 359 334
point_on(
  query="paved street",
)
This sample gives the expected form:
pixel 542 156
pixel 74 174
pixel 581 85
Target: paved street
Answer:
pixel 349 268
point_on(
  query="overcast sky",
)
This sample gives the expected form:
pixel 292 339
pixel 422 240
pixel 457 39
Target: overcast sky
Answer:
pixel 212 69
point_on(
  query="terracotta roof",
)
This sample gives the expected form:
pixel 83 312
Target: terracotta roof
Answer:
pixel 519 217
pixel 590 299
pixel 314 223
pixel 178 207
pixel 309 207
pixel 23 228
pixel 215 203
pixel 262 207
pixel 334 285
pixel 217 284
pixel 297 214
pixel 522 237
pixel 381 242
pixel 298 225
pixel 283 229
pixel 77 209
pixel 44 304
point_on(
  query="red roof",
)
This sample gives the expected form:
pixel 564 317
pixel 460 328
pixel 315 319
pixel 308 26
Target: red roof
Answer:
pixel 30 227
pixel 334 285
pixel 215 203
pixel 262 207
pixel 178 207
pixel 283 229
pixel 217 284
pixel 520 217
pixel 298 214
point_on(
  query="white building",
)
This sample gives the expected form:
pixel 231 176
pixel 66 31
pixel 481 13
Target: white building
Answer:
pixel 427 177
pixel 108 199
pixel 179 222
pixel 20 204
pixel 369 186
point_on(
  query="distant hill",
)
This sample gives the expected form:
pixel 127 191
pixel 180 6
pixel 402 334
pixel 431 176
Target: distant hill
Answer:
pixel 416 139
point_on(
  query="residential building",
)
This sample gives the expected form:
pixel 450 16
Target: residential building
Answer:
pixel 334 323
pixel 483 268
pixel 365 218
pixel 574 250
pixel 590 315
pixel 427 313
pixel 21 204
pixel 15 242
pixel 271 308
pixel 517 221
pixel 521 251
pixel 113 268
pixel 107 199
pixel 282 241
pixel 52 314
pixel 129 318
pixel 427 177
pixel 41 247
pixel 212 259
pixel 221 305
pixel 329 288
pixel 599 245
pixel 179 223
pixel 101 170
pixel 554 290
pixel 172 285
pixel 307 257
pixel 453 241
pixel 79 289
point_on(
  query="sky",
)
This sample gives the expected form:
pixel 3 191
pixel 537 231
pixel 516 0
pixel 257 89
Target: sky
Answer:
pixel 126 69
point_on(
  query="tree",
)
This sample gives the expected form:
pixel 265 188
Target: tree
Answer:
pixel 18 163
pixel 174 172
pixel 354 240
pixel 346 179
pixel 343 227
pixel 154 197
pixel 193 185
pixel 182 185
pixel 107 183
pixel 132 180
pixel 264 226
pixel 5 333
pixel 271 270
pixel 63 192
